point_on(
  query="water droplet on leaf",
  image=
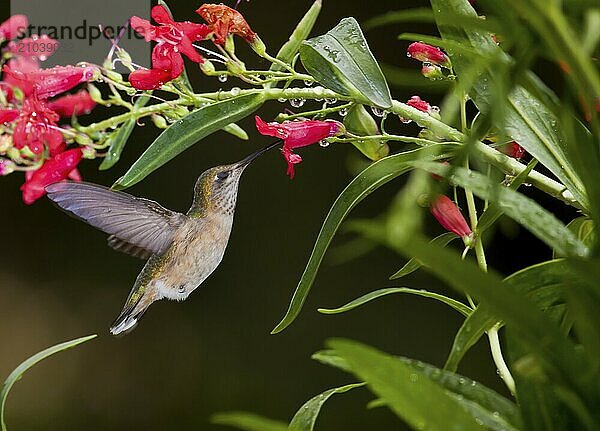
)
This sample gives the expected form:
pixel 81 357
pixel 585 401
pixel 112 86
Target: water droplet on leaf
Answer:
pixel 223 77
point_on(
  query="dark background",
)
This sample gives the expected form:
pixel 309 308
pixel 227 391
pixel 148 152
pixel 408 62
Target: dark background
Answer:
pixel 212 353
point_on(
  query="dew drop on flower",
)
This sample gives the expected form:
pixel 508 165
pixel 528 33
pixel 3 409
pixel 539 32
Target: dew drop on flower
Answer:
pixel 308 82
pixel 43 58
pixel 343 112
pixel 324 143
pixel 235 91
pixel 434 109
pixel 223 77
pixel 378 112
pixel 330 101
pixel 282 100
pixel 297 103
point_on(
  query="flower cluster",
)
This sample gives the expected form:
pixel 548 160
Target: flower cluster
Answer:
pixel 33 102
pixel 176 38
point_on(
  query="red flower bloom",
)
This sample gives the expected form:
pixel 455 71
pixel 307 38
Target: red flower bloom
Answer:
pixel 297 134
pixel 225 21
pixel 72 104
pixel 420 104
pixel 173 39
pixel 46 83
pixel 12 27
pixel 36 128
pixel 514 150
pixel 449 216
pixel 428 54
pixel 55 169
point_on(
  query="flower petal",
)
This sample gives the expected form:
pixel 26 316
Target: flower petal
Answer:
pixel 149 79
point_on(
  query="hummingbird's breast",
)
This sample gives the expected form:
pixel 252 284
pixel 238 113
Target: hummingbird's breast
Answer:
pixel 198 248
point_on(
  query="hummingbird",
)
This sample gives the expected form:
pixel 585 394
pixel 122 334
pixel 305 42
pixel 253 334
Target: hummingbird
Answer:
pixel 182 249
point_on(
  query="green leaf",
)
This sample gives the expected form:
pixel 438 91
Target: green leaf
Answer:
pixel 186 132
pixel 305 418
pixel 248 421
pixel 520 208
pixel 26 365
pixel 457 305
pixel 119 138
pixel 359 122
pixel 412 265
pixel 421 14
pixel 289 49
pixel 369 180
pixel 542 283
pixel 475 396
pixel 407 391
pixel 342 61
pixel 525 118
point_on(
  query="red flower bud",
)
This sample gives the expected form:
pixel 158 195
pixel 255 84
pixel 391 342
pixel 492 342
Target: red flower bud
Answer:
pixel 428 54
pixel 514 150
pixel 54 170
pixel 448 214
pixel 420 104
pixel 297 134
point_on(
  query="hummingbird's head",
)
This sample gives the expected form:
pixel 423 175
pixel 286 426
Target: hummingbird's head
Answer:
pixel 216 189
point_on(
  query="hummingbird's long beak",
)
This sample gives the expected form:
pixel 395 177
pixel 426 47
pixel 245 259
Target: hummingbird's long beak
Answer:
pixel 245 162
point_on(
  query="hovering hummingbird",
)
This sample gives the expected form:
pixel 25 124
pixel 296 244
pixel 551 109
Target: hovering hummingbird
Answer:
pixel 182 249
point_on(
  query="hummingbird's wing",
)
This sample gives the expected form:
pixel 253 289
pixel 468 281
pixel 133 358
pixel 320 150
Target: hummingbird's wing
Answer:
pixel 137 226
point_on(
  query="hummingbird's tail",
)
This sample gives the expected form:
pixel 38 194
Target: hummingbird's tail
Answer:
pixel 130 315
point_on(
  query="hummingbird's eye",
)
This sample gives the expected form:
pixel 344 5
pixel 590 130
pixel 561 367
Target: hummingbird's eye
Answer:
pixel 222 175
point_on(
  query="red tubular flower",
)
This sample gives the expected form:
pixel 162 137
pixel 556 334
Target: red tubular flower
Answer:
pixel 420 104
pixel 72 104
pixel 297 134
pixel 173 39
pixel 36 128
pixel 449 216
pixel 225 21
pixel 13 27
pixel 55 169
pixel 514 150
pixel 428 54
pixel 46 83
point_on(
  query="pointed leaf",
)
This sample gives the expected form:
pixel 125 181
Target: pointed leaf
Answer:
pixel 248 421
pixel 21 369
pixel 342 61
pixel 475 396
pixel 457 305
pixel 369 180
pixel 186 132
pixel 408 391
pixel 412 265
pixel 305 418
